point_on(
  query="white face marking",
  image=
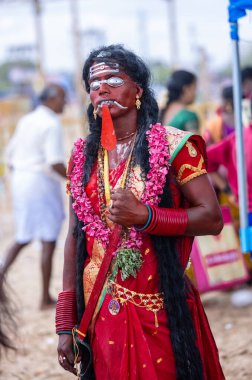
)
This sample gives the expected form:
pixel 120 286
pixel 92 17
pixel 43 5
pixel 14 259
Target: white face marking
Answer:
pixel 122 152
pixel 110 103
pixel 112 82
pixel 102 67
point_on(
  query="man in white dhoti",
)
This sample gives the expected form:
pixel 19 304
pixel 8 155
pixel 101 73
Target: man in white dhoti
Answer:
pixel 35 155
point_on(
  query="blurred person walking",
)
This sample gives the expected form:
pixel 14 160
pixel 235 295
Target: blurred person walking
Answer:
pixel 222 123
pixel 224 154
pixel 35 156
pixel 181 92
pixel 219 126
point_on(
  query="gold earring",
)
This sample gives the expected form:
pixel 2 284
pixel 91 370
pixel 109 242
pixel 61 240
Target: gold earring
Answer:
pixel 138 102
pixel 95 113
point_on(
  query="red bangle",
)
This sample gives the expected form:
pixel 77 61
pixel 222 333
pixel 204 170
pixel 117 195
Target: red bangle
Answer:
pixel 167 222
pixel 66 311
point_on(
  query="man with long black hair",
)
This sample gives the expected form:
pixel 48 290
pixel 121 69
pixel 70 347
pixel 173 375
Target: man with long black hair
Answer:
pixel 139 193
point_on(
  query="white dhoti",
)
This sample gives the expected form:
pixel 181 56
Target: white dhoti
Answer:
pixel 37 205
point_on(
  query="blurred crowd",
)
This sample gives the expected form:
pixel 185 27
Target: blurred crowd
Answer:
pixel 217 128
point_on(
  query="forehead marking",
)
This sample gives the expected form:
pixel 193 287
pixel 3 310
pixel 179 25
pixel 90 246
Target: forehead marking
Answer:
pixel 102 67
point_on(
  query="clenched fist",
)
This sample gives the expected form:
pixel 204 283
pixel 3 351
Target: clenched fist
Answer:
pixel 126 209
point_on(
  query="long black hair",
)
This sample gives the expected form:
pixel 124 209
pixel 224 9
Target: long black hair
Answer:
pixel 172 283
pixel 175 87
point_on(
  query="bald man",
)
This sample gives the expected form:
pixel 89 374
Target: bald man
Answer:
pixel 35 155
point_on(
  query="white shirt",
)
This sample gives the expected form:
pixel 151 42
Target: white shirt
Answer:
pixel 37 141
pixel 36 144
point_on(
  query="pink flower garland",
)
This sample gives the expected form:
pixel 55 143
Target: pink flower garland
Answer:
pixel 159 162
pixel 82 206
pixel 156 177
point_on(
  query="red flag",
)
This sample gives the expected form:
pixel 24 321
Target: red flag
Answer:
pixel 108 137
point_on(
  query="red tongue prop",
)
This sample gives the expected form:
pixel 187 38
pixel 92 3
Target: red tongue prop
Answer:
pixel 108 137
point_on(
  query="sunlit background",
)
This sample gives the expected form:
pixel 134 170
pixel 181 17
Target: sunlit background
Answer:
pixel 48 40
pixel 45 41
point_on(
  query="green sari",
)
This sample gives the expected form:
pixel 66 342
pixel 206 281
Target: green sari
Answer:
pixel 185 120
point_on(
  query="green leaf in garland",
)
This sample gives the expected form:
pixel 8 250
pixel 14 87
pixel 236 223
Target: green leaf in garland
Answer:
pixel 129 261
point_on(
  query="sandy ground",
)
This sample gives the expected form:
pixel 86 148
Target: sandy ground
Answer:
pixel 36 357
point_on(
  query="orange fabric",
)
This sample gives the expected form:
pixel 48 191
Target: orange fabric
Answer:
pixel 108 137
pixel 213 130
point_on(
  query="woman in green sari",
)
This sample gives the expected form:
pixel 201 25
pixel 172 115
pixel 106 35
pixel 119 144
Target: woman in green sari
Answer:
pixel 181 89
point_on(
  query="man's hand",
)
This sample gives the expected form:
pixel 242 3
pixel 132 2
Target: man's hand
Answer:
pixel 66 354
pixel 126 209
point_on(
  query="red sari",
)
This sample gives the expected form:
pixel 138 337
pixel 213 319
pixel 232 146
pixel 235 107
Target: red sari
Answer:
pixel 135 343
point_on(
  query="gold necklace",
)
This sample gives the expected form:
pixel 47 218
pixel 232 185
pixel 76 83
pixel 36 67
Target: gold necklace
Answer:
pixel 125 137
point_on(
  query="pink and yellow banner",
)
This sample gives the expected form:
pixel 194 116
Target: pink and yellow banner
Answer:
pixel 217 260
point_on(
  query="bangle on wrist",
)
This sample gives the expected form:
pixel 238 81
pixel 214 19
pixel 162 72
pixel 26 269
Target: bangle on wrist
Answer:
pixel 167 221
pixel 62 332
pixel 66 312
pixel 148 220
